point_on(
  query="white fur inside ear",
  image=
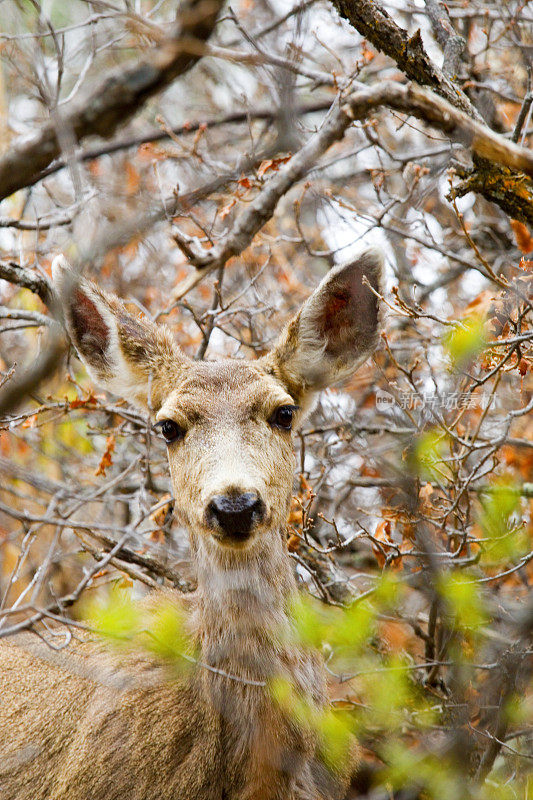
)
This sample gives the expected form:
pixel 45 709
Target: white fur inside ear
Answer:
pixel 309 360
pixel 123 354
pixel 60 268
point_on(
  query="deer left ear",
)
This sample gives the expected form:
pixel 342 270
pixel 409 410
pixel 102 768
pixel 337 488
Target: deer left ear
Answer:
pixel 335 331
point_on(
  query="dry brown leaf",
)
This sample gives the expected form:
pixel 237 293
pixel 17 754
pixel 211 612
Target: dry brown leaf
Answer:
pixel 107 458
pixel 271 164
pixel 522 235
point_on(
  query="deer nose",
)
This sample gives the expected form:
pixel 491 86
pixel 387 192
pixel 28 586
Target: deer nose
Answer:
pixel 235 514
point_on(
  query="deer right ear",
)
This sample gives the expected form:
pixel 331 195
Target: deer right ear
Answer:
pixel 131 357
pixel 335 330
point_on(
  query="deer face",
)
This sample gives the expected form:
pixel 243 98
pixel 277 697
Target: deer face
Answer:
pixel 228 424
pixel 228 431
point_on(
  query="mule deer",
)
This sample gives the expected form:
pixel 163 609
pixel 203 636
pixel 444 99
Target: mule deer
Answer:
pixel 79 726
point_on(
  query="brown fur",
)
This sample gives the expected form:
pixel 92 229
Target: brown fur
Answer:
pixel 85 724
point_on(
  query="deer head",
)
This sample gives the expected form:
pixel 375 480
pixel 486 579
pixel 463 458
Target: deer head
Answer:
pixel 227 424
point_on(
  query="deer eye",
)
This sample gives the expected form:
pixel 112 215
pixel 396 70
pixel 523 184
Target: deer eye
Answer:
pixel 171 430
pixel 282 417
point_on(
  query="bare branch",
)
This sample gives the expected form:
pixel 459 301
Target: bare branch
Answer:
pixel 14 273
pixel 375 24
pixel 117 99
pixel 409 99
pixel 45 365
pixel 446 35
pixel 507 188
pixel 158 135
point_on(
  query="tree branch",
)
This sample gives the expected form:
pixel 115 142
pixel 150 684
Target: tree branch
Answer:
pixel 504 186
pixel 43 367
pixel 376 25
pixel 407 98
pixel 451 43
pixel 13 273
pixel 158 135
pixel 115 100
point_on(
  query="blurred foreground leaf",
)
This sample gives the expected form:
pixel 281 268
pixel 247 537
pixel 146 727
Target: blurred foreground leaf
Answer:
pixel 465 340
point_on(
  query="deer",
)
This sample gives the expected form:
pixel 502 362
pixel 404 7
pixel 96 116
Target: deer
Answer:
pixel 88 724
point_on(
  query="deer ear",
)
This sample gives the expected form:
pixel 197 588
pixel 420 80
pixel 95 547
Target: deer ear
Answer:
pixel 335 330
pixel 131 357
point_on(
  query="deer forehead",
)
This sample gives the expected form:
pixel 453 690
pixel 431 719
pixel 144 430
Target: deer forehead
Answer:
pixel 229 389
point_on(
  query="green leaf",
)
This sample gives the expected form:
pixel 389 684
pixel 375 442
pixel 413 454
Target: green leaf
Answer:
pixel 463 598
pixel 336 738
pixel 354 627
pixel 309 620
pixel 115 617
pixel 334 729
pixel 499 519
pixel 429 456
pixel 389 591
pixel 166 633
pixel 465 340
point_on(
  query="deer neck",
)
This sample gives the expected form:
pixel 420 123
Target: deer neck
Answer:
pixel 240 616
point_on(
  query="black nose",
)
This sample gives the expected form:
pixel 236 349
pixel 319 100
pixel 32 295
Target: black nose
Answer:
pixel 235 514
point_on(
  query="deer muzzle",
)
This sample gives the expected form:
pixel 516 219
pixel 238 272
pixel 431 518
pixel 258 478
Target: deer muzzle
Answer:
pixel 233 516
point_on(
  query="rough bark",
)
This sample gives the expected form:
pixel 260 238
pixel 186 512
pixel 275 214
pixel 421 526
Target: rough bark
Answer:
pixel 375 24
pixel 509 189
pixel 407 98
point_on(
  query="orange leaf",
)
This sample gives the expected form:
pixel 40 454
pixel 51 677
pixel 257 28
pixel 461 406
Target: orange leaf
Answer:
pixel 522 366
pixel 305 486
pixel 5 444
pixel 225 211
pixel 382 534
pixel 426 491
pixel 106 459
pixel 133 178
pixel 94 167
pixel 480 304
pixel 368 54
pixel 293 543
pixel 150 152
pixel 523 237
pixel 82 402
pixel 159 516
pixel 271 163
pixel 383 531
pixel 395 634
